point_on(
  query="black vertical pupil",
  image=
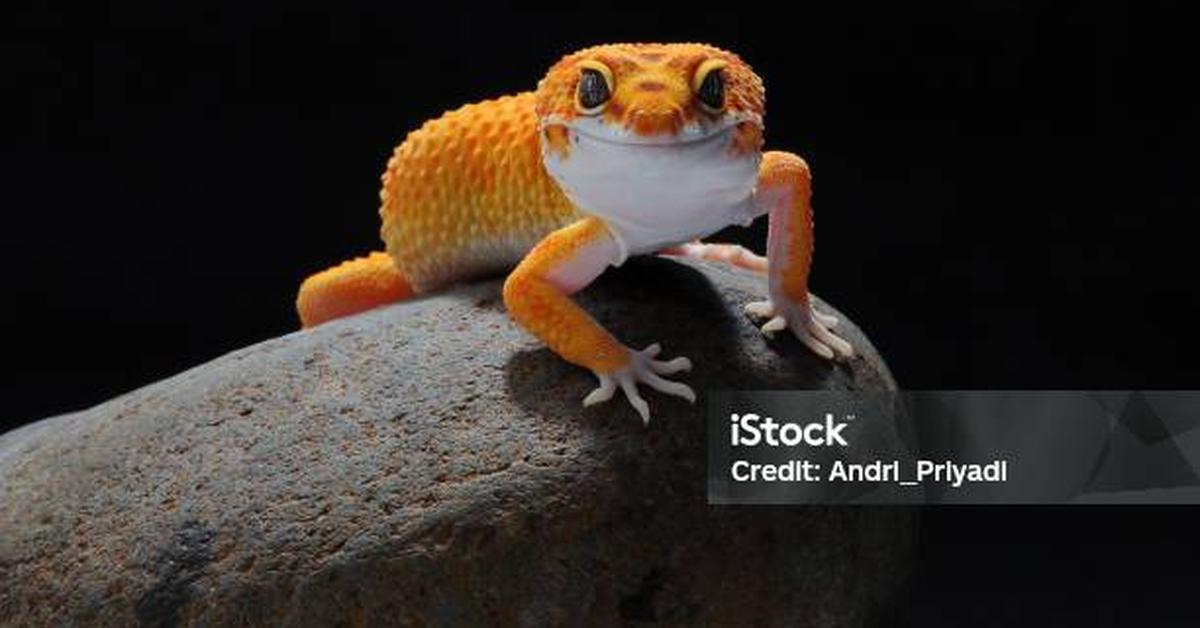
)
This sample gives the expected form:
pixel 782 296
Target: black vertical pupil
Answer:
pixel 593 89
pixel 712 90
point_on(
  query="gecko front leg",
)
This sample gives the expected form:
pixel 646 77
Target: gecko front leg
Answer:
pixel 784 191
pixel 537 295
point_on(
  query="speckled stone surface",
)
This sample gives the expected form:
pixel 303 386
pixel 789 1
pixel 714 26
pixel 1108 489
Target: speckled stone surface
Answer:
pixel 430 464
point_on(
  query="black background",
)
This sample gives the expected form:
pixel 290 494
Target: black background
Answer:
pixel 1004 199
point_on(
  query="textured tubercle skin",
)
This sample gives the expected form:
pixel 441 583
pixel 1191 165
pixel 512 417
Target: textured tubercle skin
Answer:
pixel 663 147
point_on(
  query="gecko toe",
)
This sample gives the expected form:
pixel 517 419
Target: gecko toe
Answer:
pixel 760 309
pixel 608 386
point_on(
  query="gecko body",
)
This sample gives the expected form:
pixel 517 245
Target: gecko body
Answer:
pixel 622 150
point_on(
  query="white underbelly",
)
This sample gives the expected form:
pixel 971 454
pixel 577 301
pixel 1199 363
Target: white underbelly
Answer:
pixel 656 195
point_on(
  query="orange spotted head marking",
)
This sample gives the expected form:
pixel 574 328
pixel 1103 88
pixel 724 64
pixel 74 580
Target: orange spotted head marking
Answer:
pixel 652 93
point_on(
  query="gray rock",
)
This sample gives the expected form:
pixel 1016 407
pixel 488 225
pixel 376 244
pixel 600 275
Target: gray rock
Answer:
pixel 430 464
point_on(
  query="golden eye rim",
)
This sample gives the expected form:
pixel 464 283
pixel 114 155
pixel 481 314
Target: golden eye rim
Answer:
pixel 702 71
pixel 606 73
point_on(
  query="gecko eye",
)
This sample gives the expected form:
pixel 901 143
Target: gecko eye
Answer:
pixel 711 92
pixel 593 91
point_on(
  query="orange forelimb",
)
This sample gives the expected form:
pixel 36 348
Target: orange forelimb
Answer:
pixel 543 307
pixel 785 178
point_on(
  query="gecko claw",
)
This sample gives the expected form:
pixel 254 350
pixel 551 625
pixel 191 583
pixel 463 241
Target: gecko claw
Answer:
pixel 643 368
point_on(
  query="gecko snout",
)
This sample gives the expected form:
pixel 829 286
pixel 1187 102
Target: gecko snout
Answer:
pixel 658 119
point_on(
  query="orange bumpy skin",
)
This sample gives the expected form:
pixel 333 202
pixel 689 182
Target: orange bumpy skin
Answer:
pixel 624 149
pixel 466 195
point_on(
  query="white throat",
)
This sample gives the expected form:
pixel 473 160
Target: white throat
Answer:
pixel 655 194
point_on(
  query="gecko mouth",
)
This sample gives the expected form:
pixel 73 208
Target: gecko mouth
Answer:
pixel 624 137
pixel 595 130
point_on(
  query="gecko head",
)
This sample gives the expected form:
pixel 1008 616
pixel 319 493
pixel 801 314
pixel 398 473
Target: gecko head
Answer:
pixel 661 141
pixel 650 94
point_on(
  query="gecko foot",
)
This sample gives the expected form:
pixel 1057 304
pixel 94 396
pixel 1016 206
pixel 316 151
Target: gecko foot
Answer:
pixel 809 325
pixel 643 368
